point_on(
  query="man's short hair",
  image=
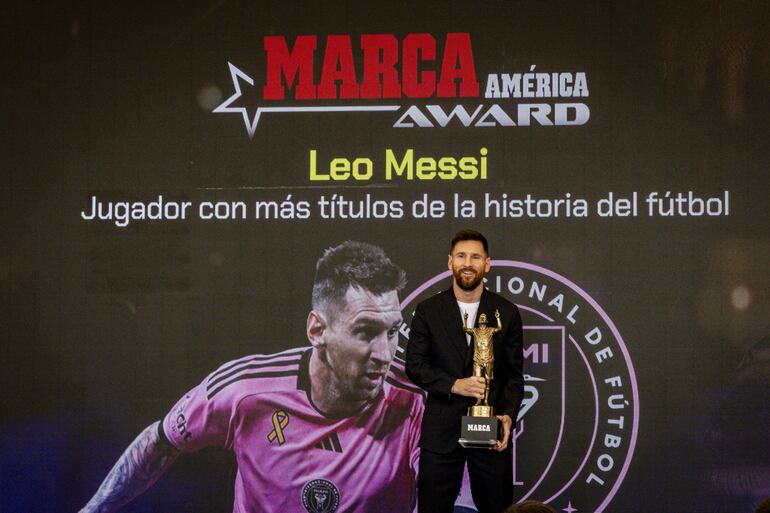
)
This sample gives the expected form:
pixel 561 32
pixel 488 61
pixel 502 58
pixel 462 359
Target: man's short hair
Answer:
pixel 354 264
pixel 469 235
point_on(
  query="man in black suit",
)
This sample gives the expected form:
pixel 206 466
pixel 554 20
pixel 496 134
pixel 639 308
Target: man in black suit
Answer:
pixel 439 358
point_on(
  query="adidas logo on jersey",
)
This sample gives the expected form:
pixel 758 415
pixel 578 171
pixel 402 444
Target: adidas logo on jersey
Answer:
pixel 330 443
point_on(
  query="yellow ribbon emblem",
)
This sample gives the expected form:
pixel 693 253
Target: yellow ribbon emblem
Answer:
pixel 280 421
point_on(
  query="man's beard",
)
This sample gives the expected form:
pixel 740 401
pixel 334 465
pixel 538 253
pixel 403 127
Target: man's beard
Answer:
pixel 468 284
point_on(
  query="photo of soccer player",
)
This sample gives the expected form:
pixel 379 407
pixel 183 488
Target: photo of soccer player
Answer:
pixel 333 426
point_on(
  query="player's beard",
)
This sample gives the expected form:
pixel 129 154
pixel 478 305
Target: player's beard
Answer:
pixel 352 385
pixel 358 389
pixel 467 283
pixel 370 384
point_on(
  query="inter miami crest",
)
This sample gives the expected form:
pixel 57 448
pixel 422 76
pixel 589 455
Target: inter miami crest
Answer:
pixel 579 418
pixel 320 496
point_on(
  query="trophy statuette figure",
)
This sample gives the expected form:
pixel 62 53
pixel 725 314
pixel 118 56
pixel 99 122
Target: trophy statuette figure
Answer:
pixel 480 428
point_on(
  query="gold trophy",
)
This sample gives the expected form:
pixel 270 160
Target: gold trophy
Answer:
pixel 480 428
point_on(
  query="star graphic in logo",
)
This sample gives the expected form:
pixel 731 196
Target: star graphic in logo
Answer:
pixel 251 124
pixel 569 508
pixel 235 74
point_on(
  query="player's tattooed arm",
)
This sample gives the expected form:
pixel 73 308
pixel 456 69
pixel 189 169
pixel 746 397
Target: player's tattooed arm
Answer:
pixel 144 462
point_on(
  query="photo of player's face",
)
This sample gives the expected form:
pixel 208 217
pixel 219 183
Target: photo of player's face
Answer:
pixel 359 342
pixel 468 263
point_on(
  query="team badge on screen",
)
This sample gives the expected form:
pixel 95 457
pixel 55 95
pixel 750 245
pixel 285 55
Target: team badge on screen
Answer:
pixel 580 408
pixel 320 496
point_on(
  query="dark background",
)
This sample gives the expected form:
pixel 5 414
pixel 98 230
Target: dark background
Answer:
pixel 104 327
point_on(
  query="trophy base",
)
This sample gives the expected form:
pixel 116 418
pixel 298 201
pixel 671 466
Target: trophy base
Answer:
pixel 479 410
pixel 478 432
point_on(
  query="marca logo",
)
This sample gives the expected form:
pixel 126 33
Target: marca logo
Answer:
pixel 416 67
pixel 382 77
pixel 579 420
pixel 478 427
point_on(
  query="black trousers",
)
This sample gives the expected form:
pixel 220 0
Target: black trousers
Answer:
pixel 441 475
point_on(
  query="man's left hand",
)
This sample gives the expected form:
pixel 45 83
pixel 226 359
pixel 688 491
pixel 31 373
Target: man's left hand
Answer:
pixel 507 424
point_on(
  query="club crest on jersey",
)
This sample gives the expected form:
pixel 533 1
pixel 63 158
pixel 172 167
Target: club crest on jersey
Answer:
pixel 320 496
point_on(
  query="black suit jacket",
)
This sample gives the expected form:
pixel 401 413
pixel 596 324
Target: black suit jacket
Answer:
pixel 438 353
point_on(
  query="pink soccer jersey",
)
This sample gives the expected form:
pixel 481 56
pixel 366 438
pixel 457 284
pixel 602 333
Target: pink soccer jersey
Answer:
pixel 290 456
